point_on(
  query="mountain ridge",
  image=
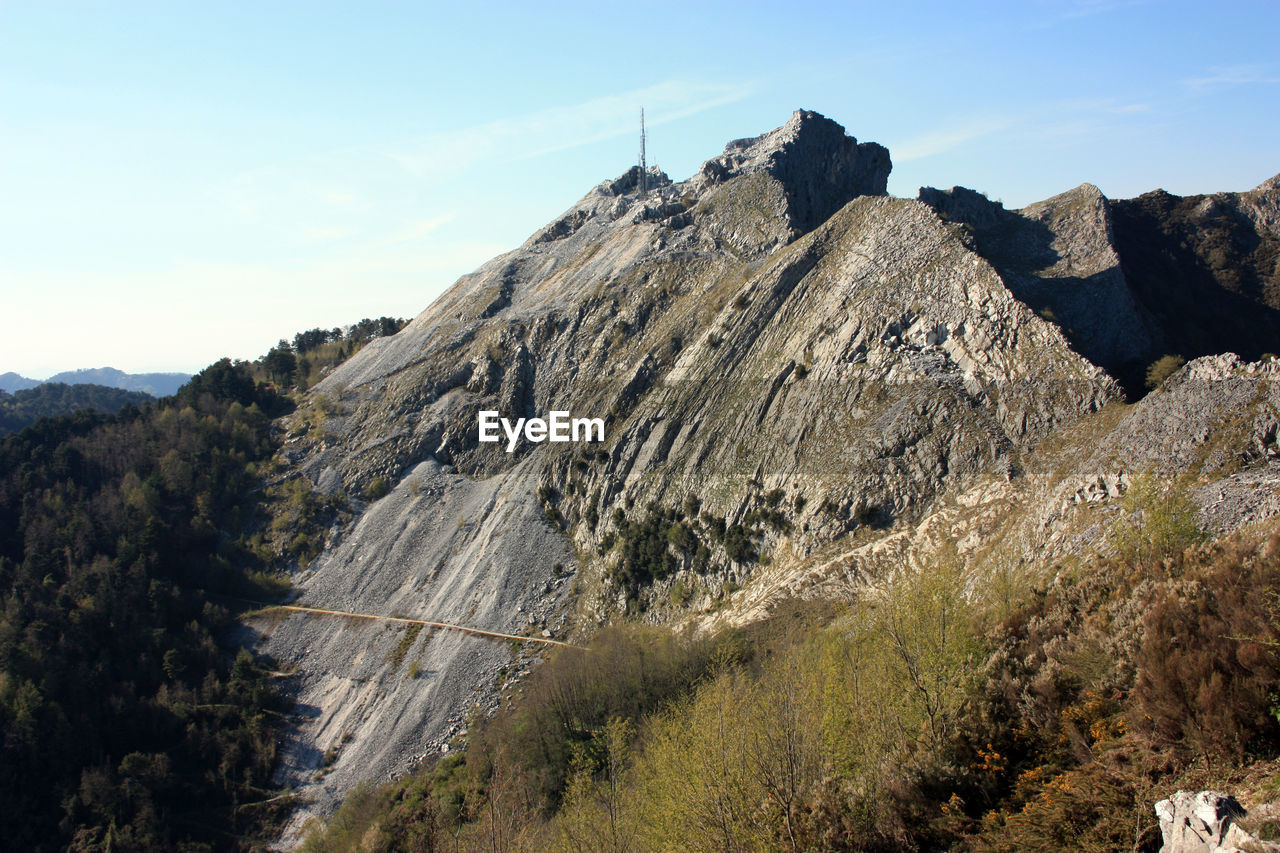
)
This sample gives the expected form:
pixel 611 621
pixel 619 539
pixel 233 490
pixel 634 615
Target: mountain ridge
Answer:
pixel 806 383
pixel 153 384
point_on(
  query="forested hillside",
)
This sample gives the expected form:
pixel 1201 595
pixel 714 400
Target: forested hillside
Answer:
pixel 313 353
pixel 126 726
pixel 23 408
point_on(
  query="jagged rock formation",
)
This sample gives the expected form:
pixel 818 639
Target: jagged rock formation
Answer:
pixel 1207 268
pixel 790 363
pixel 1132 280
pixel 1059 257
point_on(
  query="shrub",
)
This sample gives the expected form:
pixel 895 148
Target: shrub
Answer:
pixel 376 488
pixel 1209 667
pixel 738 544
pixel 1161 369
pixel 1158 521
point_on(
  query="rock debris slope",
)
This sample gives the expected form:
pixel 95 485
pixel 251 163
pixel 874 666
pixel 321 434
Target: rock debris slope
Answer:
pixel 813 378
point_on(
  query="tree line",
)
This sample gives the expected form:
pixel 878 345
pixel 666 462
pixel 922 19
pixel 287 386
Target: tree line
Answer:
pixel 23 408
pixel 304 360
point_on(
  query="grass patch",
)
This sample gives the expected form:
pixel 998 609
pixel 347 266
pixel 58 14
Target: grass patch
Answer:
pixel 407 639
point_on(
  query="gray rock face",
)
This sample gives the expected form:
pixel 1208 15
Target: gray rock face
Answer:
pixel 820 167
pixel 1129 281
pixel 1204 268
pixel 1214 413
pixel 375 698
pixel 1200 823
pixel 1059 257
pixel 773 323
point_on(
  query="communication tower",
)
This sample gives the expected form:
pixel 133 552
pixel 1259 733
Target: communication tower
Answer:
pixel 644 167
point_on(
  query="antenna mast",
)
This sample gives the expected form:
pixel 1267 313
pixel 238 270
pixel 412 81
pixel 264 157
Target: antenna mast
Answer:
pixel 644 168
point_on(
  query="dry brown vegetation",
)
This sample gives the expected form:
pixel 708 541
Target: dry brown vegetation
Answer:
pixel 923 718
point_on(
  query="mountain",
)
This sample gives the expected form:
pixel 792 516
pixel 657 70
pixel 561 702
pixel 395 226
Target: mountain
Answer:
pixel 807 386
pixel 1129 281
pixel 12 382
pixel 155 384
pixel 50 399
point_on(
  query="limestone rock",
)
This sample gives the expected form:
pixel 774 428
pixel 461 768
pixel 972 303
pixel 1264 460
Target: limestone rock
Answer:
pixel 1202 822
pixel 1204 268
pixel 1059 257
pixel 820 167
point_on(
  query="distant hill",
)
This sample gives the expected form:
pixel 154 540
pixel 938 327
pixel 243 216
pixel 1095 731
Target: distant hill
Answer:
pixel 12 382
pixel 48 399
pixel 155 384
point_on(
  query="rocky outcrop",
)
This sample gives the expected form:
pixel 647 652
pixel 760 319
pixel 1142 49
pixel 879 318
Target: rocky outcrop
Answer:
pixel 1204 822
pixel 1205 268
pixel 818 165
pixel 1212 416
pixel 1129 281
pixel 1059 257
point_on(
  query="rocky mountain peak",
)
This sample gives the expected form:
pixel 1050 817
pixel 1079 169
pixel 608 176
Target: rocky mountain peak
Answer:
pixel 629 181
pixel 961 204
pixel 820 166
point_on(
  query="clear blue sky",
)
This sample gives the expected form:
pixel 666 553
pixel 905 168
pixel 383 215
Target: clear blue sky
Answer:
pixel 183 181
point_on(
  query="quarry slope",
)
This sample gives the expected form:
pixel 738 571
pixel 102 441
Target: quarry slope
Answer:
pixel 804 382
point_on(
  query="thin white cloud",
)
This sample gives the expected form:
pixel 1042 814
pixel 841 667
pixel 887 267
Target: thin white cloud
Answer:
pixel 1056 120
pixel 322 234
pixel 368 193
pixel 1078 9
pixel 1126 109
pixel 1068 129
pixel 415 230
pixel 1230 76
pixel 561 128
pixel 946 139
pixel 1089 8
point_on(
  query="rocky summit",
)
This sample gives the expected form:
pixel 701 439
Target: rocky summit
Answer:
pixel 821 382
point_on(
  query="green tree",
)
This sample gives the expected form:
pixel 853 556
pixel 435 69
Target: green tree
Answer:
pixel 597 814
pixel 281 363
pixel 1158 520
